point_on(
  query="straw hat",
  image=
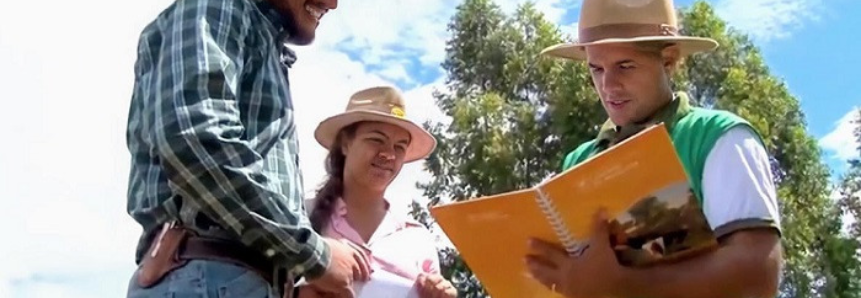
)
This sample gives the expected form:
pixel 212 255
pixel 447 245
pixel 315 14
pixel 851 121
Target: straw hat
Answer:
pixel 621 21
pixel 381 104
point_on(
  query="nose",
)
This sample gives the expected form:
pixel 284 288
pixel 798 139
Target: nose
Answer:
pixel 329 4
pixel 387 153
pixel 610 82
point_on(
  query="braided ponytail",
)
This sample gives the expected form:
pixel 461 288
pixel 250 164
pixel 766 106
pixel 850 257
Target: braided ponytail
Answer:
pixel 333 187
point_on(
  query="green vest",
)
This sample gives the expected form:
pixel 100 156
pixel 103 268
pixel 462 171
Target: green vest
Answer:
pixel 693 135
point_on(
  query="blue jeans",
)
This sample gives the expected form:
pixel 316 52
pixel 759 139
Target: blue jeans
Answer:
pixel 206 279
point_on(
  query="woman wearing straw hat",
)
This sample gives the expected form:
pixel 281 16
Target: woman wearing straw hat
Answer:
pixel 368 144
pixel 632 48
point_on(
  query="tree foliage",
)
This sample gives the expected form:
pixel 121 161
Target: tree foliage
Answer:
pixel 850 187
pixel 847 252
pixel 515 114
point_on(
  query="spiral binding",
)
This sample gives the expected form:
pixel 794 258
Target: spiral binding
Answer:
pixel 572 247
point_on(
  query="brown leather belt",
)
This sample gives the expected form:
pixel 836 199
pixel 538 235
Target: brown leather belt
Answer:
pixel 236 253
pixel 227 251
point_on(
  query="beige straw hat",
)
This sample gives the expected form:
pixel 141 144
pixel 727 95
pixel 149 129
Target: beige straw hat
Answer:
pixel 622 21
pixel 380 104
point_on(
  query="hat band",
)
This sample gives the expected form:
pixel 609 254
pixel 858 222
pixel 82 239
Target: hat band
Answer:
pixel 625 30
pixel 390 109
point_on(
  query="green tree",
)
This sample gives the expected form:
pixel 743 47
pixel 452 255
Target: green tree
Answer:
pixel 514 115
pixel 499 95
pixel 850 187
pixel 845 253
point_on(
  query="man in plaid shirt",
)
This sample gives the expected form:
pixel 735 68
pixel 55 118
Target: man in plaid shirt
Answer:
pixel 215 182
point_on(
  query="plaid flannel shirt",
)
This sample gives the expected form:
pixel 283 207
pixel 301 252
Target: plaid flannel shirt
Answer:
pixel 211 131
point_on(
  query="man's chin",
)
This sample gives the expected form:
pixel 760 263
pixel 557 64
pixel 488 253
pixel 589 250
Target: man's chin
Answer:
pixel 620 121
pixel 303 39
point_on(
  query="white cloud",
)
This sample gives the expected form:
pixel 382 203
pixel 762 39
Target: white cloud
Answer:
pixel 384 29
pixel 66 77
pixel 767 20
pixel 841 142
pixel 571 30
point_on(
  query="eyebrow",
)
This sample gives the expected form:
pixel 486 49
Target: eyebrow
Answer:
pixel 617 63
pixel 407 141
pixel 625 61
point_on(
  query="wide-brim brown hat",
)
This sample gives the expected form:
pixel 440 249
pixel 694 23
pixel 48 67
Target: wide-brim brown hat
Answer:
pixel 626 21
pixel 379 104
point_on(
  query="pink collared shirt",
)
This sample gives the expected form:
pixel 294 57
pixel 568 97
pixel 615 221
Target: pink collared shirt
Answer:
pixel 400 245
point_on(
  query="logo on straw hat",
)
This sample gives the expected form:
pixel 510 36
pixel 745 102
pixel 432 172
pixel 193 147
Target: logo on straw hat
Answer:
pixel 398 112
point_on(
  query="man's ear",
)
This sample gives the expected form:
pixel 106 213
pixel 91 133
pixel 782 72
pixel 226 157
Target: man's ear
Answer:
pixel 670 56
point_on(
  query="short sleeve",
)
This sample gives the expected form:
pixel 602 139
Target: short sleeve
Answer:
pixel 738 185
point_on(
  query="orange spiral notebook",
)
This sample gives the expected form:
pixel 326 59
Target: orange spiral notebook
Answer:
pixel 654 216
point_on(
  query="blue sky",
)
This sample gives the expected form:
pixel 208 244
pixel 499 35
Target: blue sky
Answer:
pixel 66 77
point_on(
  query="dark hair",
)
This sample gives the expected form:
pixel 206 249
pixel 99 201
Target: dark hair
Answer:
pixel 653 47
pixel 333 187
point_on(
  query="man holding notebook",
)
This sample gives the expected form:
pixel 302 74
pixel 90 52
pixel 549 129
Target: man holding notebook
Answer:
pixel 632 48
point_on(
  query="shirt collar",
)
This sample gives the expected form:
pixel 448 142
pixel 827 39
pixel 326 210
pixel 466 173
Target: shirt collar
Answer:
pixel 669 114
pixel 279 22
pixel 341 207
pixel 391 222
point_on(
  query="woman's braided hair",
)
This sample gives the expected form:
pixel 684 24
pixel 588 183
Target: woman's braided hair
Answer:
pixel 333 186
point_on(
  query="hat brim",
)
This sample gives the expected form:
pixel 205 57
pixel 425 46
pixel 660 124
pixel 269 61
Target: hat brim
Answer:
pixel 422 143
pixel 687 45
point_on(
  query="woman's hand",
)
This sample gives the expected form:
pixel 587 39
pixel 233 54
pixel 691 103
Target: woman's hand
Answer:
pixel 434 286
